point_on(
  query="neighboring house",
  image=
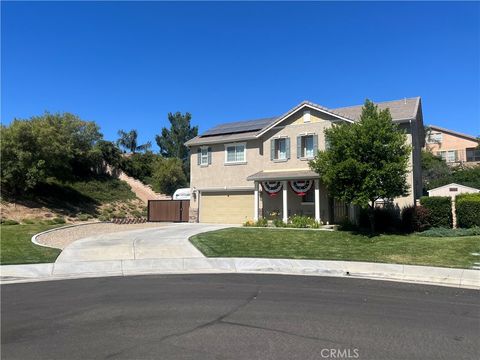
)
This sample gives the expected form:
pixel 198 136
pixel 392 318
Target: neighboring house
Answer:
pixel 452 190
pixel 249 169
pixel 452 146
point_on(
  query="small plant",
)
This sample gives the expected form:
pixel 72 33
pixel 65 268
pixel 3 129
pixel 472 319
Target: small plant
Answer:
pixel 104 218
pixel 136 214
pixel 262 222
pixel 299 221
pixel 120 215
pixel 279 223
pixel 249 223
pixel 83 217
pixel 58 220
pixel 28 221
pixel 446 232
pixel 9 222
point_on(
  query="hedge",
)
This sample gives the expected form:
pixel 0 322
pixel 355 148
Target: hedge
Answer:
pixel 467 208
pixel 440 210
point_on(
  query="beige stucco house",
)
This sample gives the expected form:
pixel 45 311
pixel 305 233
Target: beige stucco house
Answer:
pixel 259 168
pixel 453 147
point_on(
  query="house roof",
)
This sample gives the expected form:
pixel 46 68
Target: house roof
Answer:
pixel 448 131
pixel 401 110
pixel 283 175
pixel 404 109
pixel 454 185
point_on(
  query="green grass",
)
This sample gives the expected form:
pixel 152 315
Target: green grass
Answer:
pixel 16 246
pixel 339 245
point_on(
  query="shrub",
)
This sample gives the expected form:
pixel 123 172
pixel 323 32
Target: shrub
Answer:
pixel 58 220
pixel 8 222
pixel 104 218
pixel 83 217
pixel 298 221
pixel 28 221
pixel 249 223
pixel 467 208
pixel 415 218
pixel 279 223
pixel 262 222
pixel 445 232
pixel 387 219
pixel 440 210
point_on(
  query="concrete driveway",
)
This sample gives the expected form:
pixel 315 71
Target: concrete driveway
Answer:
pixel 158 243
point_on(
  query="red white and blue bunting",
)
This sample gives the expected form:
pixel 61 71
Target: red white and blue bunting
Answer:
pixel 301 186
pixel 272 188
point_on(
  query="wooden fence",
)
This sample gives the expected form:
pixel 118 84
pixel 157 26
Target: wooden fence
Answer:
pixel 168 210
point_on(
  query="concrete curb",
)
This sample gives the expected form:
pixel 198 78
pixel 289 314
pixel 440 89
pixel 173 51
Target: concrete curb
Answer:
pixel 34 237
pixel 461 278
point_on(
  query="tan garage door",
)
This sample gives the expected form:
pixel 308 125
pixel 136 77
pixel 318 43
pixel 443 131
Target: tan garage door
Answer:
pixel 226 208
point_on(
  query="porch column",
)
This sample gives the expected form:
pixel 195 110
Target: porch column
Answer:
pixel 317 200
pixel 255 196
pixel 285 206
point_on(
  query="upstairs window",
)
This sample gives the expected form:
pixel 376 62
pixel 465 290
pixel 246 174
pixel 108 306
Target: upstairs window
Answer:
pixel 235 153
pixel 280 149
pixel 473 154
pixel 448 156
pixel 434 138
pixel 204 156
pixel 307 146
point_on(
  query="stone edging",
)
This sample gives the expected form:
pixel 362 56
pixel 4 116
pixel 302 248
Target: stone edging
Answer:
pixel 34 237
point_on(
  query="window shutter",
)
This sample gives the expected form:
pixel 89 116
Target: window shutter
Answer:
pixel 209 155
pixel 287 147
pixel 299 147
pixel 272 149
pixel 199 156
pixel 315 144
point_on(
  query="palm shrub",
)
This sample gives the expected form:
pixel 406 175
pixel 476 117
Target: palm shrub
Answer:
pixel 440 210
pixel 467 208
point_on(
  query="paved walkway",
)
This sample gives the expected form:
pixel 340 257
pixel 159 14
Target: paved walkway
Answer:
pixel 155 243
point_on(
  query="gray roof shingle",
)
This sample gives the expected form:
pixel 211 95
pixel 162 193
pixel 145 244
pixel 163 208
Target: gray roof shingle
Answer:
pixel 400 110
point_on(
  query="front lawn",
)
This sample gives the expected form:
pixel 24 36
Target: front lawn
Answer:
pixel 339 245
pixel 16 246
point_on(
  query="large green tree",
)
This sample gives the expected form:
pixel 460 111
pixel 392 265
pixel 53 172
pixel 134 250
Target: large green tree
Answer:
pixel 172 141
pixel 129 141
pixel 51 145
pixel 168 175
pixel 365 161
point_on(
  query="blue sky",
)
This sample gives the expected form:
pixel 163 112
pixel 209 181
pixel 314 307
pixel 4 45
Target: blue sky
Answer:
pixel 126 65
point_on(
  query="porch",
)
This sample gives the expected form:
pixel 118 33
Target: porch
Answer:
pixel 282 194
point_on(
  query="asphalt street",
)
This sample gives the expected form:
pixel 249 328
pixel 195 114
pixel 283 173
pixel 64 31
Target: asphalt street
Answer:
pixel 237 317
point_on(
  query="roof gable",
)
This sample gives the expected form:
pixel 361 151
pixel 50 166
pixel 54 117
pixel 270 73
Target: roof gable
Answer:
pixel 301 106
pixel 451 132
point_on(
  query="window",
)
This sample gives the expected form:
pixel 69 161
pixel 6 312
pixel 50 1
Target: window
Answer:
pixel 448 156
pixel 473 154
pixel 307 146
pixel 434 138
pixel 204 156
pixel 280 149
pixel 235 153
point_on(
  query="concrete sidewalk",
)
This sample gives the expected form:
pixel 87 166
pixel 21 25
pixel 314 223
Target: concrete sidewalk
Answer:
pixel 464 278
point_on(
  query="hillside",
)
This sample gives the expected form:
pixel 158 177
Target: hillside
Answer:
pixel 99 197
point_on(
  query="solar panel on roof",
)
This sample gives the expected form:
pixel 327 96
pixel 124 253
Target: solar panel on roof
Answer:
pixel 239 127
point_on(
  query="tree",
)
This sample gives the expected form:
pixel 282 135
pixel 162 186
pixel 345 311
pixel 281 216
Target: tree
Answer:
pixel 168 175
pixel 433 168
pixel 128 141
pixel 172 141
pixel 366 161
pixel 107 153
pixel 51 145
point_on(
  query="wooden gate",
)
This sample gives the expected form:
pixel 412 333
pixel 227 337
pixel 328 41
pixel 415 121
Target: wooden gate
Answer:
pixel 168 210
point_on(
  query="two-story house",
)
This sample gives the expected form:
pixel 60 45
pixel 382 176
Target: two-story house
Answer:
pixel 259 168
pixel 453 147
